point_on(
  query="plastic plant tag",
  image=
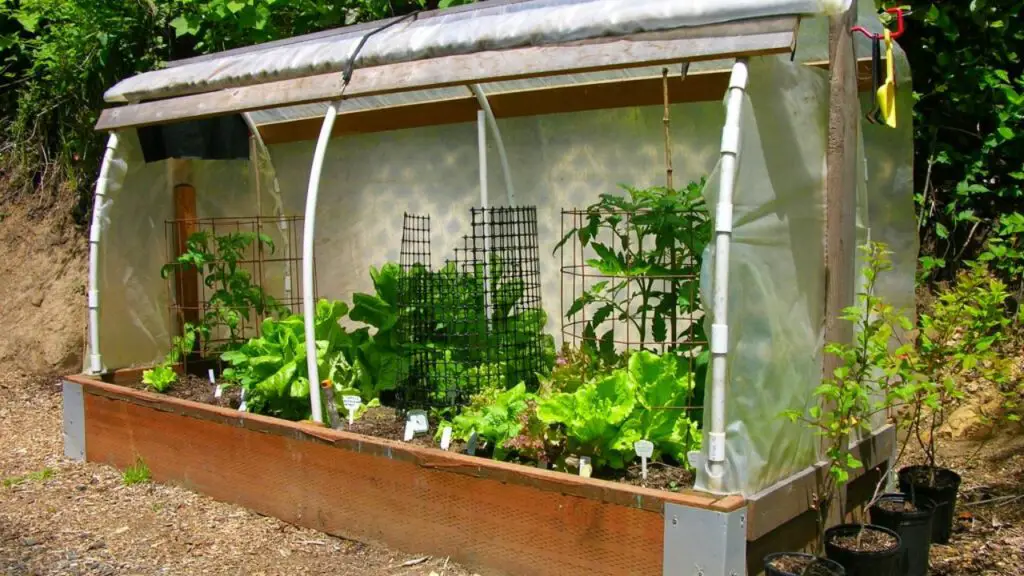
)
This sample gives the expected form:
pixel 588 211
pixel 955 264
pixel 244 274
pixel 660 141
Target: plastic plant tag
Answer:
pixel 418 419
pixel 351 404
pixel 217 390
pixel 212 379
pixel 409 433
pixel 471 445
pixel 242 407
pixel 446 437
pixel 644 449
pixel 585 468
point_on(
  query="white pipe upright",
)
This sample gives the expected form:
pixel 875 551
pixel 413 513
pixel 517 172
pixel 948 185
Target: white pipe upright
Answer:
pixel 481 144
pixel 95 231
pixel 485 107
pixel 308 232
pixel 720 283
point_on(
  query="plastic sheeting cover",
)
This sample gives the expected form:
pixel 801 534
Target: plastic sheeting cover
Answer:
pixel 776 279
pixel 505 26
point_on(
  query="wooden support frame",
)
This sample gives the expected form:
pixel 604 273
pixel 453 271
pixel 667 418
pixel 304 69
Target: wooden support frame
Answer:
pixel 491 515
pixel 706 86
pixel 744 38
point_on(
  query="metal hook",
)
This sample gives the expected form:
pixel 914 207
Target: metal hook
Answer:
pixel 900 29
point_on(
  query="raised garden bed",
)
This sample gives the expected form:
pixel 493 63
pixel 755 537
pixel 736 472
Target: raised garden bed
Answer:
pixel 494 516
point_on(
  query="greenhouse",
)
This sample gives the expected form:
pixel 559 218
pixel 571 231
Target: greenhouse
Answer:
pixel 342 257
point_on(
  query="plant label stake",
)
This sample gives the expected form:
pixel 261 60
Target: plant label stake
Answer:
pixel 418 419
pixel 409 432
pixel 352 404
pixel 242 407
pixel 217 391
pixel 585 468
pixel 471 445
pixel 446 437
pixel 644 449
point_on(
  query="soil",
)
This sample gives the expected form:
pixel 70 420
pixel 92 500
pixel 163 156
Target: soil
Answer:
pixel 801 566
pixel 660 476
pixel 923 477
pixel 198 389
pixel 894 506
pixel 384 422
pixel 866 541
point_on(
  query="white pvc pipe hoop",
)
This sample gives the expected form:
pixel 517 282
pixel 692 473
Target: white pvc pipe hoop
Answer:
pixel 308 232
pixel 485 107
pixel 720 281
pixel 95 232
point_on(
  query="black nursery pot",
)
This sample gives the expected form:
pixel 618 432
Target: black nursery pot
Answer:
pixel 914 529
pixel 863 563
pixel 816 567
pixel 914 481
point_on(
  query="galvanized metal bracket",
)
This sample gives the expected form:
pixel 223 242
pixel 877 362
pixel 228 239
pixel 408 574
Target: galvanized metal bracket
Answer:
pixel 74 421
pixel 702 542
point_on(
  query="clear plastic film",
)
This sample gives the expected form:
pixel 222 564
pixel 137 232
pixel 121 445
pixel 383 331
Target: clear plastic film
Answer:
pixel 482 28
pixel 776 282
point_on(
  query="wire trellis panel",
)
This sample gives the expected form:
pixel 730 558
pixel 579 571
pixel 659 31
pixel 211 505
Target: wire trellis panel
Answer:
pixel 477 322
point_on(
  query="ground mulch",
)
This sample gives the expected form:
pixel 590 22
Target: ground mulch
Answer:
pixel 802 565
pixel 59 517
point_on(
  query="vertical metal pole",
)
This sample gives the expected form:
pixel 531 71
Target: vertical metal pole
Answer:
pixel 308 233
pixel 481 143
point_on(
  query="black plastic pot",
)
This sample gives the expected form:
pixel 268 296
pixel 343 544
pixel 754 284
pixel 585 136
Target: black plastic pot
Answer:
pixel 914 528
pixel 915 481
pixel 863 563
pixel 817 567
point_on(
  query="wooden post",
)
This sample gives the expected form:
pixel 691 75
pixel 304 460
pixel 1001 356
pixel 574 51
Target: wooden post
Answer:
pixel 186 282
pixel 840 192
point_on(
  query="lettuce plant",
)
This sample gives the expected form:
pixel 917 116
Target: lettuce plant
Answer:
pixel 644 401
pixel 506 420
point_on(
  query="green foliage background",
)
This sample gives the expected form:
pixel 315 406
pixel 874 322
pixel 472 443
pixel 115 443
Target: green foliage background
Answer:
pixel 58 56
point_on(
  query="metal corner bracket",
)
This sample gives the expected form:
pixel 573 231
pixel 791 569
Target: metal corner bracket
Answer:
pixel 701 542
pixel 74 421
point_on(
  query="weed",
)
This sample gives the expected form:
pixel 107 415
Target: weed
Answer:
pixel 40 476
pixel 137 473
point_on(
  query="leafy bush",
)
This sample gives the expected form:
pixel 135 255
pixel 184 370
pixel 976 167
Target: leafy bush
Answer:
pixel 645 401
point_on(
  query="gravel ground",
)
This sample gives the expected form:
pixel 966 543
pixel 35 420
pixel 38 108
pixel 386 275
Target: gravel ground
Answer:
pixel 61 517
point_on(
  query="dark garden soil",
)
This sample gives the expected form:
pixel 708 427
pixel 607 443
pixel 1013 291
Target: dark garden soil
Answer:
pixel 801 565
pixel 924 477
pixel 197 389
pixel 897 506
pixel 384 422
pixel 660 476
pixel 865 541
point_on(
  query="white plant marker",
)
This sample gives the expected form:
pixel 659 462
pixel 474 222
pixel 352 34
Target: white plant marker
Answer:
pixel 217 391
pixel 242 406
pixel 352 404
pixel 585 468
pixel 446 437
pixel 644 449
pixel 409 432
pixel 418 418
pixel 471 445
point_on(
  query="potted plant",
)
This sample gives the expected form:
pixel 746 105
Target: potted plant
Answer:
pixel 870 379
pixel 800 564
pixel 911 518
pixel 957 339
